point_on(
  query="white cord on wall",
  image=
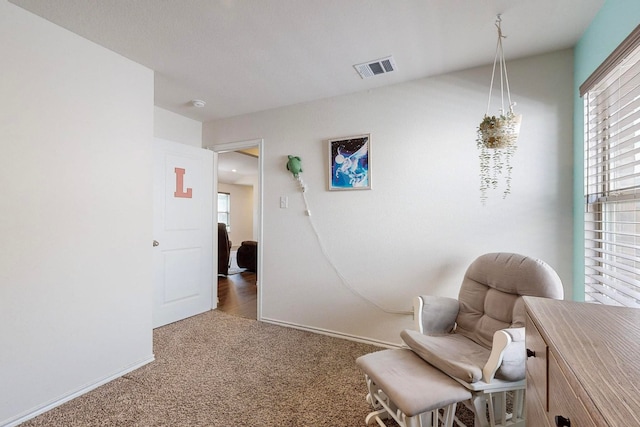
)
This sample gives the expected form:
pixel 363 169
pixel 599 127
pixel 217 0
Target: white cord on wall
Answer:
pixel 343 279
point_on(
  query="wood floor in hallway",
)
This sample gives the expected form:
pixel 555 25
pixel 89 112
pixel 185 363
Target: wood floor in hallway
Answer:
pixel 237 294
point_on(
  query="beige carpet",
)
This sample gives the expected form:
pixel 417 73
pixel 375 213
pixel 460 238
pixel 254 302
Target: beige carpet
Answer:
pixel 219 370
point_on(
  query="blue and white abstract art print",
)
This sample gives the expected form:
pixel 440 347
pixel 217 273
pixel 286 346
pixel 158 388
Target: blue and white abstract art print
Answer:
pixel 349 160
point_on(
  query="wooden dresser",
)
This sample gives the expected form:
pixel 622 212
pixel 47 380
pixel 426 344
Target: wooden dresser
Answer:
pixel 583 365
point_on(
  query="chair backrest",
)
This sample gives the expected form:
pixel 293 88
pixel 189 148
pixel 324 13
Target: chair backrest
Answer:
pixel 491 293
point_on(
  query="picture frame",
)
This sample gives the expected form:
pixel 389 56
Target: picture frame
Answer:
pixel 350 163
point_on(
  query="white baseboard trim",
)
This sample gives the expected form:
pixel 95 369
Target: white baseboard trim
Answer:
pixel 19 419
pixel 331 333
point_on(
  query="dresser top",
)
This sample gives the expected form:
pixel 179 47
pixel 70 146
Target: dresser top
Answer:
pixel 600 346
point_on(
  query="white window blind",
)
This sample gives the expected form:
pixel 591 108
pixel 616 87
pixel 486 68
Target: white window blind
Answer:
pixel 612 185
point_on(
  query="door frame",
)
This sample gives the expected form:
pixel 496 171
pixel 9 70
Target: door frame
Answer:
pixel 235 146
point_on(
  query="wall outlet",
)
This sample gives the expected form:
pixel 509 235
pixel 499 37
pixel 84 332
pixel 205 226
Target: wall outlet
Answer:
pixel 284 202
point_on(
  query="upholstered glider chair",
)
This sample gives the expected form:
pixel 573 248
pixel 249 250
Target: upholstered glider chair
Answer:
pixel 224 249
pixel 478 339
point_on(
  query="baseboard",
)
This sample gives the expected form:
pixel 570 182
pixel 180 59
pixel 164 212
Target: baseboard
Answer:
pixel 331 333
pixel 82 390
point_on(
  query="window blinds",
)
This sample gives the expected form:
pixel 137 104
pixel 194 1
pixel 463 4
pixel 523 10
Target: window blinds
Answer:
pixel 612 185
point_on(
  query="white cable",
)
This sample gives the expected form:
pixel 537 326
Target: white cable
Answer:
pixel 344 281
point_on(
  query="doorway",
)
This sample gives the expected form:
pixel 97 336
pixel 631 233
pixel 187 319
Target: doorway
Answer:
pixel 238 178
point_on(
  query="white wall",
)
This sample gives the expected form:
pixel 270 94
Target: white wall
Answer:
pixel 422 224
pixel 177 128
pixel 76 128
pixel 241 212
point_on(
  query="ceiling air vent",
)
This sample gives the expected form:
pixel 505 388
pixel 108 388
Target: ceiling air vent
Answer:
pixel 373 68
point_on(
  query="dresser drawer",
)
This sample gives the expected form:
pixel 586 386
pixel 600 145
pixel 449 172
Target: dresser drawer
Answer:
pixel 537 373
pixel 562 399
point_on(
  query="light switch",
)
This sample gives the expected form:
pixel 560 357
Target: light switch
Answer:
pixel 284 202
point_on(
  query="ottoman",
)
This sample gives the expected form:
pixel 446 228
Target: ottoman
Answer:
pixel 247 255
pixel 403 386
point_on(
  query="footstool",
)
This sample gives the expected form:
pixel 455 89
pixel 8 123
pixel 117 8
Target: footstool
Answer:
pixel 247 255
pixel 403 386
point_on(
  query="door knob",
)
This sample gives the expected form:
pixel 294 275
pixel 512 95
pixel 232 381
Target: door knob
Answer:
pixel 531 353
pixel 562 421
pixel 156 243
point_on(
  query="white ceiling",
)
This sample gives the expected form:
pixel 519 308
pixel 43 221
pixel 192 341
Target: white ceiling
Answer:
pixel 243 56
pixel 237 168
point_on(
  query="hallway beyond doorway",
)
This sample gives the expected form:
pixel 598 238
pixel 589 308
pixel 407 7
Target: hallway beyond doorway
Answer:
pixel 237 294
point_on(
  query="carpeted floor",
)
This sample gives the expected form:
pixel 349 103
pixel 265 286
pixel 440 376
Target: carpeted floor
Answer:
pixel 219 370
pixel 215 369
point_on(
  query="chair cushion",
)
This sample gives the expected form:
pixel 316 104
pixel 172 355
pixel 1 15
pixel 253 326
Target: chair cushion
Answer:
pixel 491 291
pixel 514 359
pixel 453 354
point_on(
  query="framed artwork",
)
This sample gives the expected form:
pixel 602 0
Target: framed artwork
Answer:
pixel 350 163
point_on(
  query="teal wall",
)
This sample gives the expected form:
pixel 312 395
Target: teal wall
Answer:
pixel 613 23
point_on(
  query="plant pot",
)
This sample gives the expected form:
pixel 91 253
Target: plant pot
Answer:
pixel 497 137
pixel 500 131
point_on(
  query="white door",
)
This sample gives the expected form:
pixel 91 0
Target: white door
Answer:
pixel 183 231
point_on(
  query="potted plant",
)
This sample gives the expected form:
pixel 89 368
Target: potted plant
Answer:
pixel 497 136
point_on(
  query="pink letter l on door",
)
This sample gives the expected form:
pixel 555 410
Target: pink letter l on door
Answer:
pixel 180 185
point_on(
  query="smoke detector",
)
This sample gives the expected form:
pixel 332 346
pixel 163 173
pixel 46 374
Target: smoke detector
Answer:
pixel 198 103
pixel 378 66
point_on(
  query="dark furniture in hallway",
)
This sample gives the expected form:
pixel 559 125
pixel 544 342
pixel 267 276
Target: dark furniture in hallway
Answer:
pixel 224 249
pixel 248 255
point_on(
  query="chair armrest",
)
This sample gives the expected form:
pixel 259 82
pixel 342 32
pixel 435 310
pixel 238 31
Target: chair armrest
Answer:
pixel 435 315
pixel 507 355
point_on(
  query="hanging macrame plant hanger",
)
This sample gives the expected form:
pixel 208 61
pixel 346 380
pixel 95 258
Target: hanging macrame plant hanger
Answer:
pixel 498 134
